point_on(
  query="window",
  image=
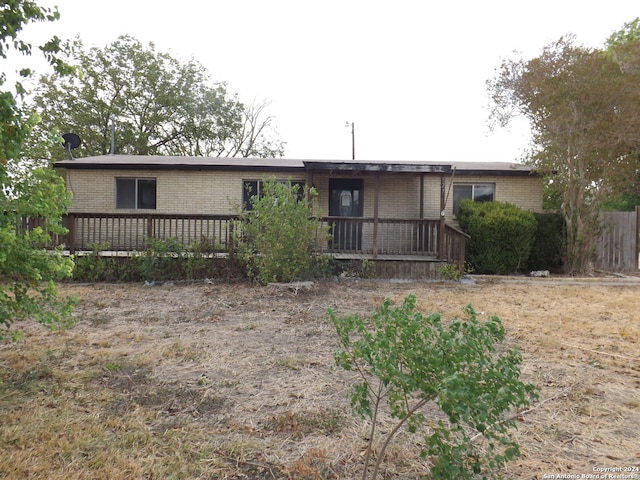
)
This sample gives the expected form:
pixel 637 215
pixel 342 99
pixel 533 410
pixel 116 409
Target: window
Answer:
pixel 136 193
pixel 251 188
pixel 478 192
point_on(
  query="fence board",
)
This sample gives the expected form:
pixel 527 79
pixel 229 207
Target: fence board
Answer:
pixel 617 247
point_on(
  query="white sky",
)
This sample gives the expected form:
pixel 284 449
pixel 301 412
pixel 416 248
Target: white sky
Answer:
pixel 410 74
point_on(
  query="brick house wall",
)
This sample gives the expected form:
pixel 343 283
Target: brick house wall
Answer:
pixel 177 192
pixel 399 194
pixel 220 192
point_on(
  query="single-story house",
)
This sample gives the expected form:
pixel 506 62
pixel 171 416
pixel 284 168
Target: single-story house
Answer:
pixel 382 210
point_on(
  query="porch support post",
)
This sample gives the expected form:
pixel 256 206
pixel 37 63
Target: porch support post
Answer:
pixel 71 234
pixel 375 214
pixel 422 195
pixel 315 214
pixel 309 184
pixel 421 246
pixel 150 229
pixel 441 246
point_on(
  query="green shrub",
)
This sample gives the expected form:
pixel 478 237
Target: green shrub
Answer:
pixel 277 237
pixel 409 361
pixel 198 262
pixel 360 269
pixel 451 271
pixel 160 259
pixel 92 267
pixel 502 235
pixel 547 249
pixel 95 267
pixel 326 266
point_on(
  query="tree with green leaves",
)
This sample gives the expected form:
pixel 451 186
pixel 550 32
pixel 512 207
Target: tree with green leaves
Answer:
pixel 583 107
pixel 446 381
pixel 624 47
pixel 33 197
pixel 150 103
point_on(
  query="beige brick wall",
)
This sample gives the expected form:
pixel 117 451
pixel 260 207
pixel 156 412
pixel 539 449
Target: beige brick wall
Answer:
pixel 177 192
pixel 216 192
pixel 400 193
pixel 523 191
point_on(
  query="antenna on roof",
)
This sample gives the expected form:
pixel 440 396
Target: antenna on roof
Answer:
pixel 71 141
pixel 113 136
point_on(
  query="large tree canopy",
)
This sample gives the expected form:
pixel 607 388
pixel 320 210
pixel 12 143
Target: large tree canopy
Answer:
pixel 583 106
pixel 149 103
pixel 27 192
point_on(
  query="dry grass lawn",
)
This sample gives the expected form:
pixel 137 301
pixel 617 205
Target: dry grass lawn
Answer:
pixel 218 381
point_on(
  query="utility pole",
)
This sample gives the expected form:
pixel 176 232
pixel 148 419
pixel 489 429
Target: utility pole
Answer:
pixel 353 140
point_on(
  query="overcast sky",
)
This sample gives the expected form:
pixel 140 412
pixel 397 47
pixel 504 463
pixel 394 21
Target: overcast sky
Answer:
pixel 409 74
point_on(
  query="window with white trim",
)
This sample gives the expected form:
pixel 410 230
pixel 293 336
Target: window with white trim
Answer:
pixel 478 192
pixel 136 193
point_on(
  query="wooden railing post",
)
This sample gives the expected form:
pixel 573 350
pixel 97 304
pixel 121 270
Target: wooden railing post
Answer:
pixel 71 233
pixel 441 236
pixel 149 229
pixel 375 215
pixel 230 235
pixel 150 226
pixel 441 239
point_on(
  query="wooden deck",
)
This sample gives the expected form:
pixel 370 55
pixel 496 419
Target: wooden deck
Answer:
pixel 388 241
pixel 395 258
pixel 337 256
pixel 386 266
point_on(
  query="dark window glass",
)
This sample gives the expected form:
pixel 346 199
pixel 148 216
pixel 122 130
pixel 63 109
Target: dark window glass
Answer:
pixel 483 193
pixel 125 193
pixel 460 192
pixel 300 191
pixel 147 194
pixel 251 188
pixel 480 192
pixel 135 193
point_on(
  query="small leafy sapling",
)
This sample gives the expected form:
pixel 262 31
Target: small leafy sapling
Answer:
pixel 415 365
pixel 278 236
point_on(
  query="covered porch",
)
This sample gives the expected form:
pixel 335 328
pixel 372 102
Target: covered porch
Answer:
pixel 386 211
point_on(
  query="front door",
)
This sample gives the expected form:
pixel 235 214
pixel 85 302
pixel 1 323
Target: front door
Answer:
pixel 345 200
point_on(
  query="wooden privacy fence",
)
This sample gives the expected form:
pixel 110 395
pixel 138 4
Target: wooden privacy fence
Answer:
pixel 617 249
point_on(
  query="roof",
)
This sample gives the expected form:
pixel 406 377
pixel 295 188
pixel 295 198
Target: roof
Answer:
pixel 157 162
pixel 161 162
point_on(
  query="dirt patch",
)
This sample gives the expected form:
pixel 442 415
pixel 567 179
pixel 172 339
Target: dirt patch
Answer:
pixel 236 381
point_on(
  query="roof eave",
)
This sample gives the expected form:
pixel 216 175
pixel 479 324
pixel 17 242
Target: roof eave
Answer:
pixel 182 167
pixel 501 173
pixel 376 167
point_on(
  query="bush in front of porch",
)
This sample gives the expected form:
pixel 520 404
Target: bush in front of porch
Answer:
pixel 502 235
pixel 277 236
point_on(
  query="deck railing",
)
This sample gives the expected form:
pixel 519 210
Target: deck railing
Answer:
pixel 348 235
pixel 393 236
pixel 129 232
